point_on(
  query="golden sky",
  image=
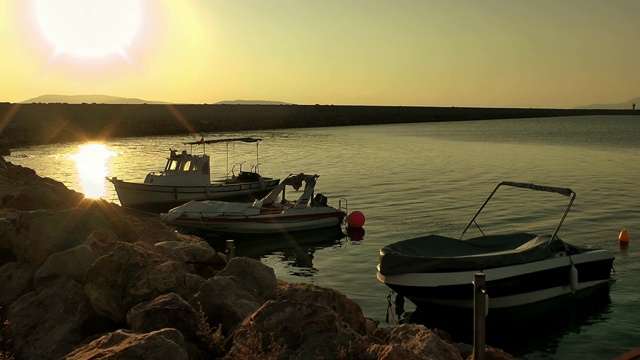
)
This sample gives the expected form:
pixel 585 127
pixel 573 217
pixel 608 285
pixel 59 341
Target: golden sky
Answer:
pixel 489 53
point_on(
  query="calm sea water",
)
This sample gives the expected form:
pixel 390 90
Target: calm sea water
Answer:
pixel 414 179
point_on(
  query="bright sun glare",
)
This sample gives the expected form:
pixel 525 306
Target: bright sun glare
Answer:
pixel 89 28
pixel 92 164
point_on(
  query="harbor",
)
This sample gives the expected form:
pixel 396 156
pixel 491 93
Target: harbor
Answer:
pixel 437 192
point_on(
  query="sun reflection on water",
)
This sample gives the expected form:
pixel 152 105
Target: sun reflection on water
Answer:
pixel 92 164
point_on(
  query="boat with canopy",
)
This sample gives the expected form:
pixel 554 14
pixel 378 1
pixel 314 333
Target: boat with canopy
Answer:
pixel 187 177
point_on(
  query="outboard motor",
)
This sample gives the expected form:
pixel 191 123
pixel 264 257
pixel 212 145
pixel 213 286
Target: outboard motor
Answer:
pixel 319 200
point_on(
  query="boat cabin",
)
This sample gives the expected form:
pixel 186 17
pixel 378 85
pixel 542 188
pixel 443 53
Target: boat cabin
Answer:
pixel 182 169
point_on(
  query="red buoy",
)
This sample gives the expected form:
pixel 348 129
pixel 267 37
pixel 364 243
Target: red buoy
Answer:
pixel 624 236
pixel 355 219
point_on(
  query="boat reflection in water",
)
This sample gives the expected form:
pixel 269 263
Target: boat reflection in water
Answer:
pixel 296 249
pixel 520 330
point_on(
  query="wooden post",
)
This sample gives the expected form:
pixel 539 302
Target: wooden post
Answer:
pixel 231 250
pixel 479 309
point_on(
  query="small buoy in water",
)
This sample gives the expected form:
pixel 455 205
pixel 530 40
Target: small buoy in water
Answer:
pixel 624 236
pixel 355 219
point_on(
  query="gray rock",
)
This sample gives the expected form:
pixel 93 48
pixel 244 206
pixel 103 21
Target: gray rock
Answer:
pixel 48 323
pixel 348 311
pixel 36 235
pixel 423 342
pixel 72 263
pixel 227 301
pixel 195 252
pixel 128 275
pixel 303 330
pixel 253 273
pixel 125 344
pixel 166 311
pixel 16 279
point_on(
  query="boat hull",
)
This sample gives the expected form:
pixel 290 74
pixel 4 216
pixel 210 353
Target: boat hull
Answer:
pixel 506 287
pixel 161 198
pixel 262 224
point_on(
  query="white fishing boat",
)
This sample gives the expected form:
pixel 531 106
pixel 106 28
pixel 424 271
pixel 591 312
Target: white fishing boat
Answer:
pixel 271 214
pixel 520 268
pixel 187 177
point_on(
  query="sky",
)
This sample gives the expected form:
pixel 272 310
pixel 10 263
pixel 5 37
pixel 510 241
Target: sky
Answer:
pixel 490 53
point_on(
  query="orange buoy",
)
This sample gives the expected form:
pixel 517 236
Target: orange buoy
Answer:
pixel 355 219
pixel 624 236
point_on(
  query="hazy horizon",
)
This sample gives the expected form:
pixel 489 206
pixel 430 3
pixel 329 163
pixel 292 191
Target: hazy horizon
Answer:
pixel 115 100
pixel 495 53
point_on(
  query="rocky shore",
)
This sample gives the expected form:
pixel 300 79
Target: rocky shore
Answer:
pixel 82 279
pixel 35 124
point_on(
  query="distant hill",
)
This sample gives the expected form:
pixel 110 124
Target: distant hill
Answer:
pixel 106 99
pixel 625 105
pixel 252 102
pixel 87 99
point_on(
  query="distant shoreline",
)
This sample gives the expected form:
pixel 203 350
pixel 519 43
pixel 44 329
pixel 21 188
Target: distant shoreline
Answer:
pixel 35 124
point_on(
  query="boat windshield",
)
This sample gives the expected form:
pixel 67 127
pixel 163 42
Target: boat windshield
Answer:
pixel 186 166
pixel 172 165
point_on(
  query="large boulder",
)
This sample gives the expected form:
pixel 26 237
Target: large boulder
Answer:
pixel 16 279
pixel 196 253
pixel 190 249
pixel 75 262
pixel 165 311
pixel 42 196
pixel 126 344
pixel 22 189
pixel 48 323
pixel 129 274
pixel 297 330
pixel 71 263
pixel 7 230
pixel 346 310
pixel 154 231
pixel 35 235
pixel 253 273
pixel 416 339
pixel 226 301
pixel 390 352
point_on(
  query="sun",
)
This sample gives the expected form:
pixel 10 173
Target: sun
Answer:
pixel 92 164
pixel 89 28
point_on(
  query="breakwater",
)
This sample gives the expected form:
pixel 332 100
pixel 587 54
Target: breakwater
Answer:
pixel 37 123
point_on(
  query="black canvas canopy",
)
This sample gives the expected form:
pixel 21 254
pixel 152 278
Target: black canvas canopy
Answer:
pixel 434 253
pixel 555 189
pixel 215 141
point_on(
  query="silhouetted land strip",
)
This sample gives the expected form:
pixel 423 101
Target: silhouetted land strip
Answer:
pixel 32 124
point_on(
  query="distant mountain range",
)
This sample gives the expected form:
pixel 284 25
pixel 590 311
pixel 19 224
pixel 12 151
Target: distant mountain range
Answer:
pixel 88 99
pixel 625 105
pixel 252 102
pixel 106 99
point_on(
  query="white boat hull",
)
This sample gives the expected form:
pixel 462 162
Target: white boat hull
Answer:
pixel 305 219
pixel 159 198
pixel 508 286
